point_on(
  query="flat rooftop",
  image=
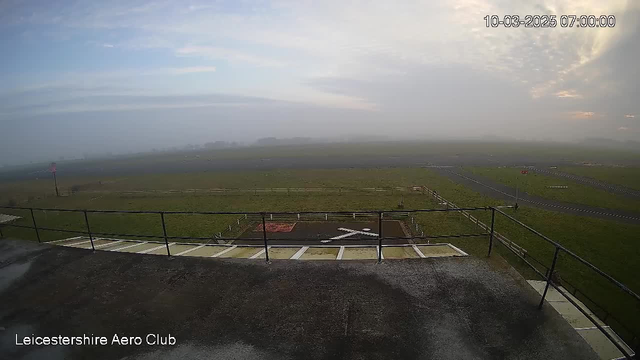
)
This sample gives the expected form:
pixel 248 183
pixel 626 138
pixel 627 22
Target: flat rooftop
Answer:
pixel 424 308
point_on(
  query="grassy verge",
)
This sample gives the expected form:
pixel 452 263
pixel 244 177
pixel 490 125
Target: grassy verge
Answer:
pixel 609 245
pixel 28 191
pixel 625 176
pixel 538 185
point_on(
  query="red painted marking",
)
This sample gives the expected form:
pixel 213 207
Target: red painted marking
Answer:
pixel 277 227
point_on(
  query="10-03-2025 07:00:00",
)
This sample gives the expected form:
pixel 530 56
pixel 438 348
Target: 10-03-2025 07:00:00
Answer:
pixel 551 21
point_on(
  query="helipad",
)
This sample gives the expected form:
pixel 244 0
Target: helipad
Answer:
pixel 313 251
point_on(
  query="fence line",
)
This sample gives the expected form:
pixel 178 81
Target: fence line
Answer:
pixel 449 207
pixel 522 253
pixel 254 191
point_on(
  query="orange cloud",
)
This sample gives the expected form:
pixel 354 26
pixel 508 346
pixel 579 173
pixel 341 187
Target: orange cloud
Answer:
pixel 581 115
pixel 571 94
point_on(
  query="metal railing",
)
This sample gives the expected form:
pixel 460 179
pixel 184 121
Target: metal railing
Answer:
pixel 379 214
pixel 521 253
pixel 548 277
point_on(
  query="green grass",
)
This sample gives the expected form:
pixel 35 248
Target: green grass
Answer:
pixel 442 149
pixel 537 184
pixel 609 245
pixel 625 176
pixel 192 225
pixel 248 180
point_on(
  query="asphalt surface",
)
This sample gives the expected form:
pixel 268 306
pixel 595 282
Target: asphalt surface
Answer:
pixel 454 308
pixel 612 188
pixel 313 232
pixel 498 190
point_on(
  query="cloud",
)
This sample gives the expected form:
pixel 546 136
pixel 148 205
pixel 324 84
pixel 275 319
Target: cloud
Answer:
pixel 344 37
pixel 623 128
pixel 107 45
pixel 97 102
pixel 229 55
pixel 572 94
pixel 417 64
pixel 629 116
pixel 581 115
pixel 192 70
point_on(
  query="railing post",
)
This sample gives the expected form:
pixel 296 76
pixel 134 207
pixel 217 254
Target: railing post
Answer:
pixel 493 219
pixel 553 266
pixel 379 236
pixel 264 237
pixel 164 231
pixel 1 234
pixel 86 220
pixel 35 227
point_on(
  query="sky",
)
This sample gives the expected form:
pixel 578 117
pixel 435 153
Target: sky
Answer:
pixel 118 76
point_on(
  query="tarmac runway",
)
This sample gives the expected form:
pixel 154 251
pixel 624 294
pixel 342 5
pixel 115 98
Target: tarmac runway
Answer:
pixel 612 188
pixel 497 190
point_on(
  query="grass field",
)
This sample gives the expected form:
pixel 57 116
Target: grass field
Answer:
pixel 606 244
pixel 537 184
pixel 537 150
pixel 440 152
pixel 625 176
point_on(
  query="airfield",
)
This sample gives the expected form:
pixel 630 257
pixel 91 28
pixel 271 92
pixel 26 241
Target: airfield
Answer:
pixel 338 156
pixel 211 203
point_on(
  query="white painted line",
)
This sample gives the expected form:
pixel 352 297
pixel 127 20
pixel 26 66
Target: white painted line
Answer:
pixel 340 253
pixel 128 246
pixel 339 237
pixel 107 244
pixel 189 250
pixel 114 239
pixel 224 251
pixel 79 243
pixel 591 328
pixel 155 248
pixel 418 251
pixel 458 250
pixel 297 255
pixel 350 232
pixel 259 253
pixel 358 232
pixel 71 238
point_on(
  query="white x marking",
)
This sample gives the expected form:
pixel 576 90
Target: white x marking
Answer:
pixel 350 232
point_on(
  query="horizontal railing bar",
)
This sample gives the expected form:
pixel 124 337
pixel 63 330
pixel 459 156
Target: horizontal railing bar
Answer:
pixel 607 313
pixel 18 226
pixel 62 230
pixel 585 262
pixel 523 259
pixel 427 237
pixel 198 238
pixel 250 213
pixel 345 239
pixel 585 313
pixel 132 235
